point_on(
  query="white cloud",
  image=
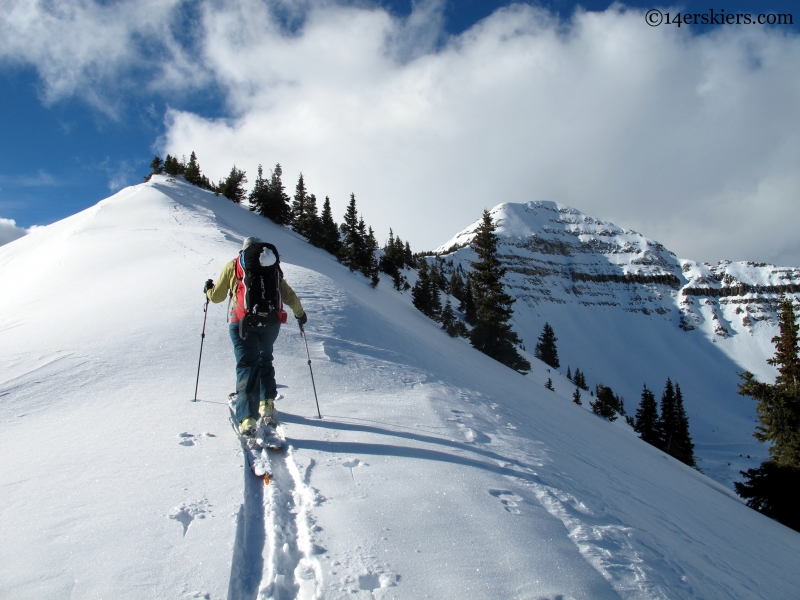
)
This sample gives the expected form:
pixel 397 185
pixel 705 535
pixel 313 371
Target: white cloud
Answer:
pixel 93 49
pixel 9 231
pixel 692 140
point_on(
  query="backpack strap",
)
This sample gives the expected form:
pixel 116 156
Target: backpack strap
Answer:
pixel 237 269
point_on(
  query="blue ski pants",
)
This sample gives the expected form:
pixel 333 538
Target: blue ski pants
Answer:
pixel 255 375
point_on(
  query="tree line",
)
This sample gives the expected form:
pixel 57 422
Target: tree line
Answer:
pixel 483 302
pixel 353 242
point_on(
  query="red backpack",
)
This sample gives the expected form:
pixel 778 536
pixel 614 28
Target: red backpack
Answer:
pixel 258 293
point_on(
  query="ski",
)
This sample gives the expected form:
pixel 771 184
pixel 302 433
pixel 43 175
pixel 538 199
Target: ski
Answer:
pixel 254 454
pixel 267 436
pixel 256 447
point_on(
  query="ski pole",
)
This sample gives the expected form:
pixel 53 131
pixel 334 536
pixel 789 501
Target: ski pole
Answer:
pixel 202 339
pixel 302 335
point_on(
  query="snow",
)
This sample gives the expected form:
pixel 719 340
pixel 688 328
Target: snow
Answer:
pixel 435 472
pixel 569 269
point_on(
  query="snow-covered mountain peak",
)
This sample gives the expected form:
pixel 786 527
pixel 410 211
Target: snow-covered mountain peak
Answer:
pixel 546 227
pixel 541 217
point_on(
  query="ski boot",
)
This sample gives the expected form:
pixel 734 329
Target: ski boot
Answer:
pixel 248 427
pixel 266 409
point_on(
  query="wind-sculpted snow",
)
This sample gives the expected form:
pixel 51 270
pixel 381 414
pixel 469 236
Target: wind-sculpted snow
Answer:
pixel 434 472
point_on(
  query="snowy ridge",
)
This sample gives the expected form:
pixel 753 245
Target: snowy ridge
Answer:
pixel 435 472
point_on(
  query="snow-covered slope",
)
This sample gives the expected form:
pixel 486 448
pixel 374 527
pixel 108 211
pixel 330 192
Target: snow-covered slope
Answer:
pixel 436 472
pixel 628 312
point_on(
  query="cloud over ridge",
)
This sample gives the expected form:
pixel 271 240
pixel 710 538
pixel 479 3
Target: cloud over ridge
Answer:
pixel 691 139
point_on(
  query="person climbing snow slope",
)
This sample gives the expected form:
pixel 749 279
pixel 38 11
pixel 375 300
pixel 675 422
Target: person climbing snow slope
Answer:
pixel 257 289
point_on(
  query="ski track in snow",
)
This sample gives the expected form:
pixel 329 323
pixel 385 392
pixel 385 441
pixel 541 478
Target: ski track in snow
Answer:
pixel 609 547
pixel 606 547
pixel 634 570
pixel 247 563
pixel 275 553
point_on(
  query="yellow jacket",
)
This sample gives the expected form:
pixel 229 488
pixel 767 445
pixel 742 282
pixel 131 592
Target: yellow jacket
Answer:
pixel 227 282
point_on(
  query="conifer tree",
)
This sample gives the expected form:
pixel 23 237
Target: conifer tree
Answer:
pixel 449 320
pixel 435 275
pixel 390 246
pixel 647 424
pixel 576 396
pixel 258 195
pixel 549 385
pixel 669 423
pixel 371 269
pixel 786 345
pixel 298 205
pixel 569 374
pixel 365 249
pixel 309 224
pixel 580 380
pixel 468 305
pixel 329 230
pixel 435 300
pixel 421 292
pixel 397 253
pixel 392 261
pixel 352 246
pixel 605 403
pixel 682 446
pixel 546 347
pixel 276 206
pixel 233 186
pixel 156 166
pixel 425 295
pixel 171 166
pixel 408 257
pixel 457 286
pixel 778 405
pixel 492 334
pixel 773 488
pixel 191 172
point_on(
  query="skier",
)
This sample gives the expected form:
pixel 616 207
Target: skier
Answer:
pixel 254 332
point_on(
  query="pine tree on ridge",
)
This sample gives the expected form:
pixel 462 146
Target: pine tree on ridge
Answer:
pixel 492 334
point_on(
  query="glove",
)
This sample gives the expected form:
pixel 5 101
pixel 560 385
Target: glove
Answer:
pixel 208 285
pixel 303 319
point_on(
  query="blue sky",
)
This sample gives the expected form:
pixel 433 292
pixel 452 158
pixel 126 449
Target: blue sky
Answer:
pixel 81 118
